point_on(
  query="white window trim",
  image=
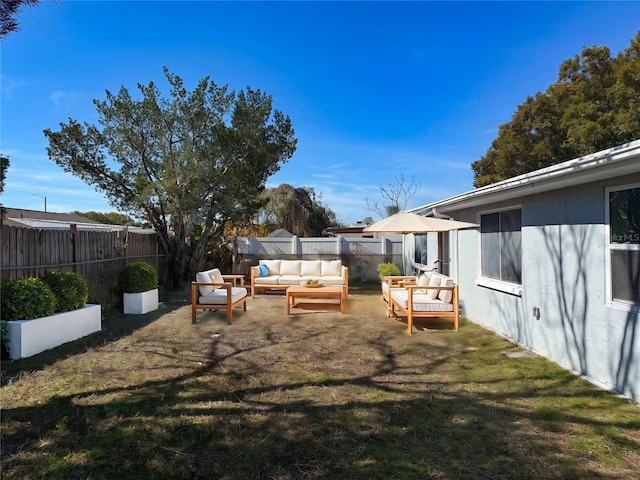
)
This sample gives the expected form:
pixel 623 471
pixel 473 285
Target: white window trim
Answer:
pixel 506 287
pixel 610 301
pixel 492 283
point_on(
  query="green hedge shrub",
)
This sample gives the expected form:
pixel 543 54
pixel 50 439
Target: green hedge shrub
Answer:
pixel 138 277
pixel 70 289
pixel 387 269
pixel 26 299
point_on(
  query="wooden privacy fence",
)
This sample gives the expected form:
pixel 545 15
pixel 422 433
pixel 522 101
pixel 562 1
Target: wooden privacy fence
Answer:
pixel 361 255
pixel 96 255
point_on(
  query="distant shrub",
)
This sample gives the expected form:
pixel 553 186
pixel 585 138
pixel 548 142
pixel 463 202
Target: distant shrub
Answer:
pixel 138 277
pixel 388 269
pixel 70 289
pixel 26 299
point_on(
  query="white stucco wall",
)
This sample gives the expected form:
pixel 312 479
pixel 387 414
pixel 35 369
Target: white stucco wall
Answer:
pixel 564 250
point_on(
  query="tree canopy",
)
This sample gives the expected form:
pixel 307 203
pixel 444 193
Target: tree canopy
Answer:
pixel 8 11
pixel 297 210
pixel 594 105
pixel 399 192
pixel 188 164
pixel 110 218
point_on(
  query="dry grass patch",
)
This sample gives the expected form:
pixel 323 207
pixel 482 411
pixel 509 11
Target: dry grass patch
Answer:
pixel 311 396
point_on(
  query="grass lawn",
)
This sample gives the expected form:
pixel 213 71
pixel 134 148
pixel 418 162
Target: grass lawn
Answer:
pixel 316 395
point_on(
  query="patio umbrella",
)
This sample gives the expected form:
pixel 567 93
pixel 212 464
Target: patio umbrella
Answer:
pixel 407 222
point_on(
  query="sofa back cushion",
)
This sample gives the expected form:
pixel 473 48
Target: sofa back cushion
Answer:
pixel 272 265
pixel 446 295
pixel 423 281
pixel 310 268
pixel 290 267
pixel 434 281
pixel 330 267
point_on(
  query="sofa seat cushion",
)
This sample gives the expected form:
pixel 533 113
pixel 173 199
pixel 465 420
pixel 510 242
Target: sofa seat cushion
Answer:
pixel 421 302
pixel 219 296
pixel 289 280
pixel 270 280
pixel 332 280
pixel 385 287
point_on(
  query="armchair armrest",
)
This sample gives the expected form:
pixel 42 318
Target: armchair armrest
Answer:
pixel 399 280
pixel 233 279
pixel 255 272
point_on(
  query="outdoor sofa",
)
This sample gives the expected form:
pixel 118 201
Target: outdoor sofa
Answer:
pixel 430 295
pixel 281 274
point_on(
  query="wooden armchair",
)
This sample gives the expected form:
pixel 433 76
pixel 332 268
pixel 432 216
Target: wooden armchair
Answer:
pixel 214 291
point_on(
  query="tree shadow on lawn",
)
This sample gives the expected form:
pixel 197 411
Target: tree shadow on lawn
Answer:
pixel 115 325
pixel 381 407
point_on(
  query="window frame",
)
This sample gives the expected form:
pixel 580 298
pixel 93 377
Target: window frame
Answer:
pixel 493 283
pixel 610 247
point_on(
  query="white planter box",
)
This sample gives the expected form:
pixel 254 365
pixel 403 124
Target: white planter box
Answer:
pixel 30 337
pixel 139 303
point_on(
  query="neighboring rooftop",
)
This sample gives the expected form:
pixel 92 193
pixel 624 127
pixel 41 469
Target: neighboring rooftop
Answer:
pixel 17 217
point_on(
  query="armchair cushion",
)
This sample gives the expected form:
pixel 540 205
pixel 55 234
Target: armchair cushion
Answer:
pixel 421 302
pixel 219 296
pixel 216 276
pixel 203 277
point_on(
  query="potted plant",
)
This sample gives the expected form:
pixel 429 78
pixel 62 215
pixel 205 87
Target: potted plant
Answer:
pixel 388 269
pixel 42 313
pixel 138 282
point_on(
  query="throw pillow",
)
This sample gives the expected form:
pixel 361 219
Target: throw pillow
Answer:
pixel 264 271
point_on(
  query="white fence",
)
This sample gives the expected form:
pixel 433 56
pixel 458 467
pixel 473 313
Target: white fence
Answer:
pixel 361 255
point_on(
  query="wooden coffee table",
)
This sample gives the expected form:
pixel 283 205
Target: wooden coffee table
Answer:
pixel 295 292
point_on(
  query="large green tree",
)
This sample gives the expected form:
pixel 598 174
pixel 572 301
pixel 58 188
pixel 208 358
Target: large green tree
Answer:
pixel 188 163
pixel 594 105
pixel 298 210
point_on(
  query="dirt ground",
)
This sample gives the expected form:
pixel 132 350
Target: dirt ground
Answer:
pixel 365 312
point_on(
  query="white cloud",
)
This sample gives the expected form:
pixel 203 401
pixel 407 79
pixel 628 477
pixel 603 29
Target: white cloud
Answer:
pixel 10 85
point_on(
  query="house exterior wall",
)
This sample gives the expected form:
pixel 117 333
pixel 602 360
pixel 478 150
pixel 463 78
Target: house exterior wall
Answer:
pixel 564 262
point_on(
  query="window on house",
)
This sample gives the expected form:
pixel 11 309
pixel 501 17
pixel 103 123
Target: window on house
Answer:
pixel 501 249
pixel 624 244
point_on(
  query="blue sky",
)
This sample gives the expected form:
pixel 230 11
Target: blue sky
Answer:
pixel 374 89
